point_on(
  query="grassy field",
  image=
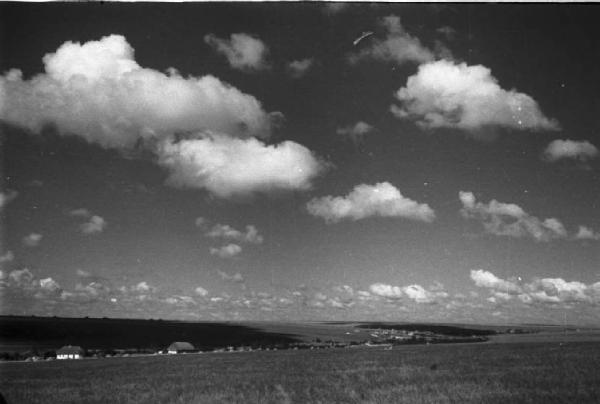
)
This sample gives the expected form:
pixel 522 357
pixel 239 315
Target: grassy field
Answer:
pixel 458 373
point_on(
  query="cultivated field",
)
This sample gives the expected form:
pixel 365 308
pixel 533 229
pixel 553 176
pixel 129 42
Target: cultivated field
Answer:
pixel 455 373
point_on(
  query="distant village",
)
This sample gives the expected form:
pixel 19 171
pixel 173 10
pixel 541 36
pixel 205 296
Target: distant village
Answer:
pixel 378 337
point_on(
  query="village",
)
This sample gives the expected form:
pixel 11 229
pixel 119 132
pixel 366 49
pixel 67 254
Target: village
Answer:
pixel 380 337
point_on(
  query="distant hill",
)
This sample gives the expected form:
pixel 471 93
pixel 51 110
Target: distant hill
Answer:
pixel 105 333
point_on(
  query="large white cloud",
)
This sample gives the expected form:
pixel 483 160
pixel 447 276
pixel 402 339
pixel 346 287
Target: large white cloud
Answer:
pixel 242 51
pixel 382 199
pixel 447 94
pixel 398 46
pixel 229 166
pixel 570 149
pixel 508 219
pixel 98 91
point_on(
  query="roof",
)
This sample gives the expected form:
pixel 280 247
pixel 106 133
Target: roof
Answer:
pixel 70 349
pixel 181 346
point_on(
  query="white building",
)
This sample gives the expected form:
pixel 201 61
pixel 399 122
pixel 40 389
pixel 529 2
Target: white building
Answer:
pixel 69 352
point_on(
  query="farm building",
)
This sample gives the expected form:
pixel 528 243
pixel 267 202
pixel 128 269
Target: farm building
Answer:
pixel 180 347
pixel 69 352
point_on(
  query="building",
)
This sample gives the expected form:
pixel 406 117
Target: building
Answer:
pixel 69 352
pixel 180 347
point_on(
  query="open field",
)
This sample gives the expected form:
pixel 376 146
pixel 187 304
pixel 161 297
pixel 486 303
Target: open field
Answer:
pixel 464 373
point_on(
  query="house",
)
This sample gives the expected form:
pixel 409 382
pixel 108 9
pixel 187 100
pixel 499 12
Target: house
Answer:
pixel 69 352
pixel 180 347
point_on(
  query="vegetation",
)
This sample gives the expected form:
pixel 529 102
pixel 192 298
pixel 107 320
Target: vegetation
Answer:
pixel 469 373
pixel 45 333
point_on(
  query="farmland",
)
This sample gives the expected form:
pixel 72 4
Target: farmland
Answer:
pixel 466 373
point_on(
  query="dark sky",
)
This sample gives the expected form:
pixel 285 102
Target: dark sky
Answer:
pixel 326 174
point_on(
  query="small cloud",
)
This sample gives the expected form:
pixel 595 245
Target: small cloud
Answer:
pixel 96 224
pixel 486 279
pixel 7 257
pixel 448 32
pixel 356 132
pixel 585 233
pixel 237 277
pixel 32 240
pixel 200 291
pixel 143 287
pixel 299 68
pixel 243 52
pixel 226 251
pixel 387 291
pixel 49 285
pixel 444 94
pixel 83 274
pixel 510 220
pixel 201 222
pixel 82 212
pixel 398 46
pixel 382 199
pixel 6 197
pixel 225 231
pixel 544 291
pixel 570 149
pixel 36 183
pixel 334 7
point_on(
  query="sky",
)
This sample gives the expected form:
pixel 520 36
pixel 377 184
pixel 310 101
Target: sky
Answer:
pixel 301 162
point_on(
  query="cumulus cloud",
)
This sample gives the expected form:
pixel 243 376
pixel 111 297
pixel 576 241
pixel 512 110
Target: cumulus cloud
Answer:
pixel 200 291
pixel 7 257
pixel 387 291
pixel 32 240
pixel 243 52
pixel 443 94
pixel 538 290
pixel 251 234
pixel 486 279
pixel 414 292
pixel 98 91
pixel 421 295
pixel 228 166
pixel 398 46
pixel 204 131
pixel 585 233
pixel 81 212
pixel 570 149
pixel 356 132
pixel 237 277
pixel 200 221
pixel 96 224
pixel 226 251
pixel 508 219
pixel 49 285
pixel 299 68
pixel 24 283
pixel 382 199
pixel 8 195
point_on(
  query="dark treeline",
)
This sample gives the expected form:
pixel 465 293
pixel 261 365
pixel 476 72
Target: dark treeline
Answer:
pixel 104 333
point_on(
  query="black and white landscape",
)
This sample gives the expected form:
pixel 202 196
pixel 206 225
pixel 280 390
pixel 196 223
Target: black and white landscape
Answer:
pixel 199 169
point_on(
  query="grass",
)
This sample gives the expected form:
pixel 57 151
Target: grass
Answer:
pixel 457 373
